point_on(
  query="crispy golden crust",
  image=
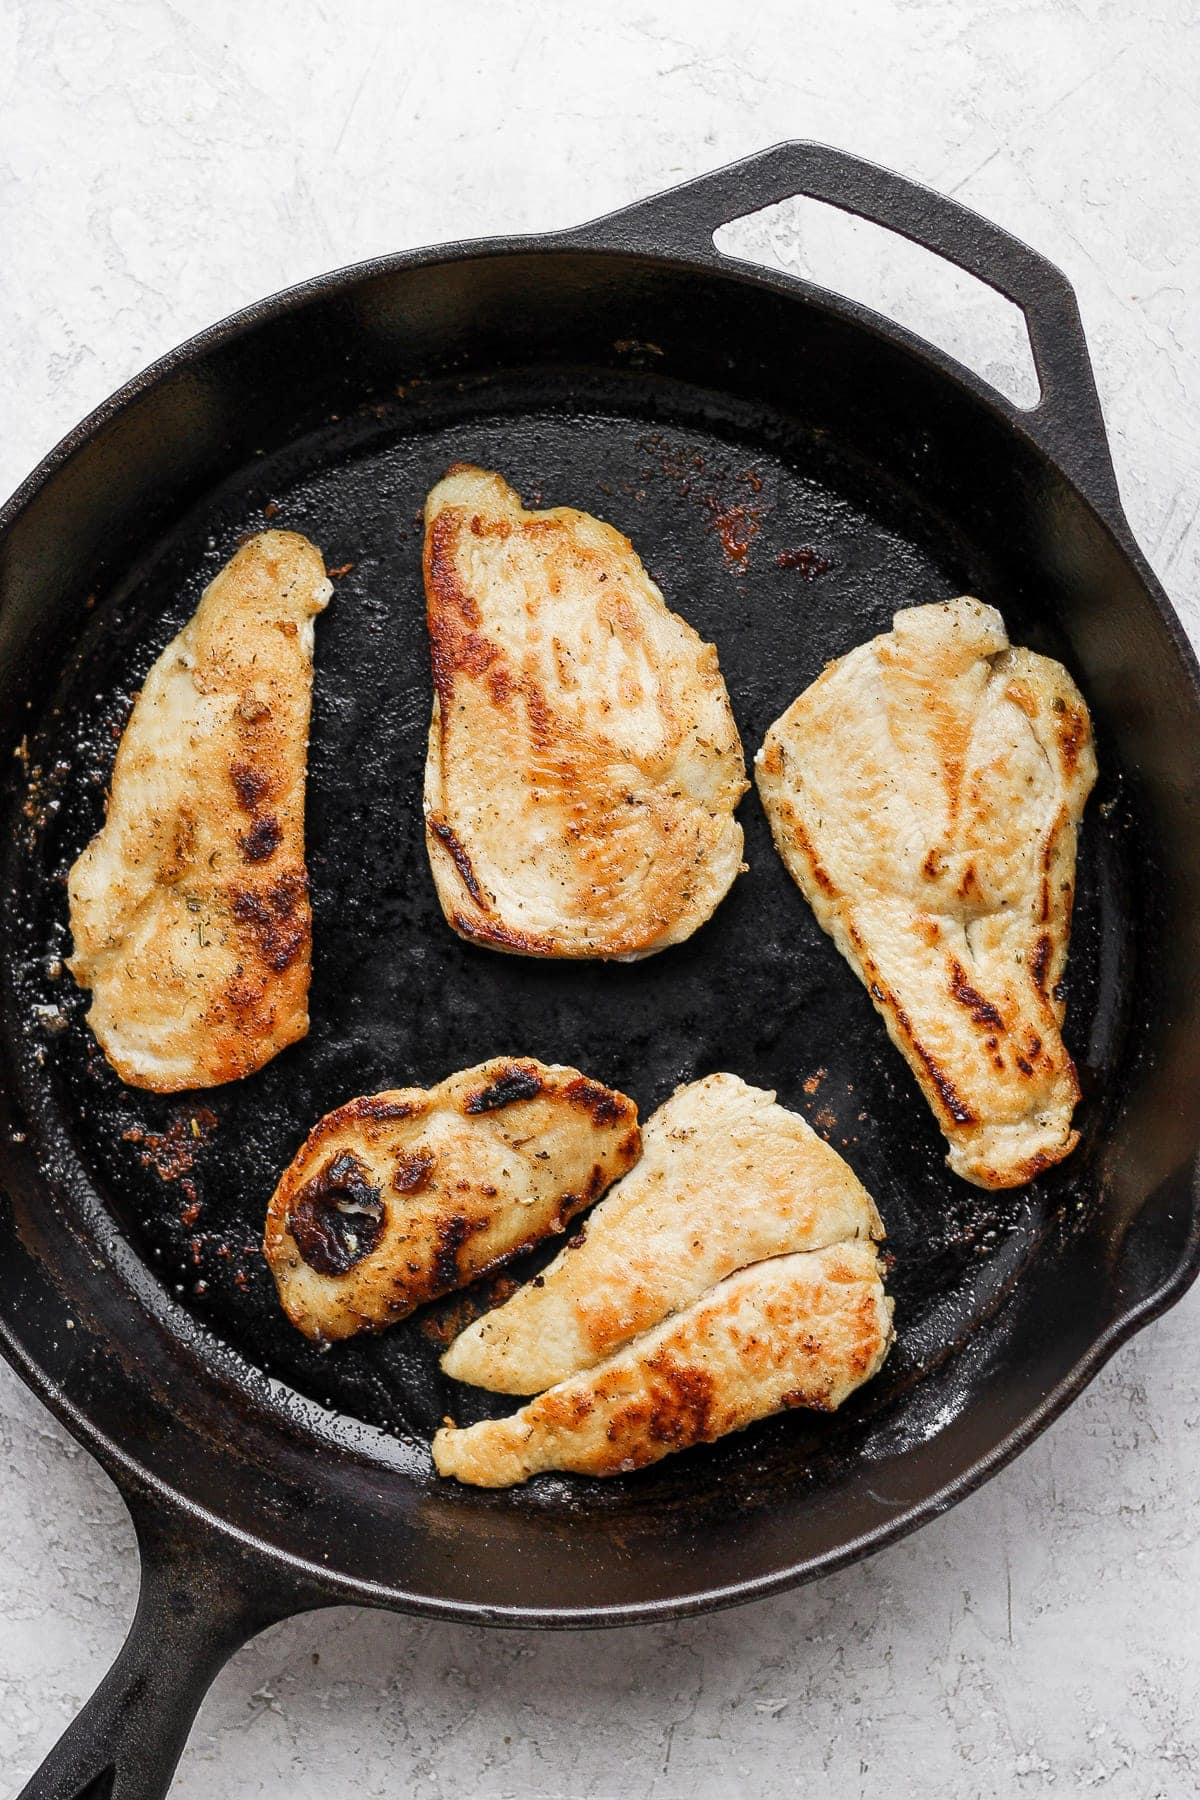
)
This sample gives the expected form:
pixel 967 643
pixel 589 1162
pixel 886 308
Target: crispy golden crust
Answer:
pixel 726 1178
pixel 396 1198
pixel 801 1330
pixel 583 762
pixel 925 794
pixel 189 909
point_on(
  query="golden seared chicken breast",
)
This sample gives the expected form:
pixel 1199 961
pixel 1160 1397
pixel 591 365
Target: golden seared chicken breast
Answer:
pixel 727 1177
pixel 189 909
pixel 925 793
pixel 801 1330
pixel 583 764
pixel 399 1197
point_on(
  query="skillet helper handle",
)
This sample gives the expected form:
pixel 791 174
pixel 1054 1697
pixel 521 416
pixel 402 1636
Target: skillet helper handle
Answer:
pixel 1067 421
pixel 200 1599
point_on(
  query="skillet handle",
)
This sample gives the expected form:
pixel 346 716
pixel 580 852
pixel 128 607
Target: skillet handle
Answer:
pixel 1067 421
pixel 201 1598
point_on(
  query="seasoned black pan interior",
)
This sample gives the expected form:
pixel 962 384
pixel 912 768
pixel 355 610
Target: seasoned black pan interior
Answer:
pixel 784 557
pixel 787 506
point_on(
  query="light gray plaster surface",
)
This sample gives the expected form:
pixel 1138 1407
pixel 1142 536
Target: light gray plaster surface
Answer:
pixel 162 163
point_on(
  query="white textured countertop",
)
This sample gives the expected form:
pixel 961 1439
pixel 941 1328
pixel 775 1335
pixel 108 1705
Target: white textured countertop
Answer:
pixel 162 163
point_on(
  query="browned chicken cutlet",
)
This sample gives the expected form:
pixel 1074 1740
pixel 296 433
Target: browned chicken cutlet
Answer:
pixel 189 909
pixel 925 793
pixel 583 763
pixel 801 1330
pixel 399 1197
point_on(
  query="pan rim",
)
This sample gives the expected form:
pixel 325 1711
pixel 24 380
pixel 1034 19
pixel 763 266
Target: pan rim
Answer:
pixel 569 241
pixel 340 1587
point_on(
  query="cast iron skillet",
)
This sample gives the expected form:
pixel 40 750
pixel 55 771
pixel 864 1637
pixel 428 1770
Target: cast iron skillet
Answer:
pixel 706 408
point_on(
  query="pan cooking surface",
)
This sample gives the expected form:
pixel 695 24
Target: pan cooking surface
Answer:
pixel 785 556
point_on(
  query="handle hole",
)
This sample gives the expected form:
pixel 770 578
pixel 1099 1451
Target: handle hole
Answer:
pixel 865 262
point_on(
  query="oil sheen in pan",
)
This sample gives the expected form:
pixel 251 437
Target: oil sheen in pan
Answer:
pixel 784 558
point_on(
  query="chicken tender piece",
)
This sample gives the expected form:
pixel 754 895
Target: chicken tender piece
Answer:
pixel 399 1197
pixel 727 1177
pixel 583 764
pixel 925 792
pixel 801 1330
pixel 189 909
